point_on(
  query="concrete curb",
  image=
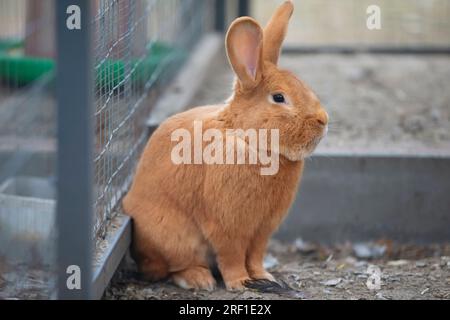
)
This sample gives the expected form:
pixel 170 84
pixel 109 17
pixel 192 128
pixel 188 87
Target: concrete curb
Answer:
pixel 366 197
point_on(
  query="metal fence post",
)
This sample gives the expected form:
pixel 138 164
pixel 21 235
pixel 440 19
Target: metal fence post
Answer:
pixel 75 131
pixel 220 15
pixel 244 8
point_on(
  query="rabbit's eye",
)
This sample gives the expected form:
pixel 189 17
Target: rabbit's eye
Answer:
pixel 278 98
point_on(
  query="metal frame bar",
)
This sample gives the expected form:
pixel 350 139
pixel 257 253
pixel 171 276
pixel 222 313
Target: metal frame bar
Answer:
pixel 243 8
pixel 119 243
pixel 75 165
pixel 220 15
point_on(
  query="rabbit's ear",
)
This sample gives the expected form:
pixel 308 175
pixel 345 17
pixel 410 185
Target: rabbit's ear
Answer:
pixel 275 31
pixel 244 43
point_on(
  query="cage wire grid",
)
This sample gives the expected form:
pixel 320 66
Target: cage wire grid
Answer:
pixel 138 46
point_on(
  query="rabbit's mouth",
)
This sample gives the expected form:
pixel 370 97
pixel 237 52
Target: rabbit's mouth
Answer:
pixel 300 152
pixel 312 145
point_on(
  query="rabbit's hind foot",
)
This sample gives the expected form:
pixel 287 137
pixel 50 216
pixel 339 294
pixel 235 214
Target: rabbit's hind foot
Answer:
pixel 197 277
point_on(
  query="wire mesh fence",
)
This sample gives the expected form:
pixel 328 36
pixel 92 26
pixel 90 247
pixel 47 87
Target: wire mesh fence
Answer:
pixel 138 45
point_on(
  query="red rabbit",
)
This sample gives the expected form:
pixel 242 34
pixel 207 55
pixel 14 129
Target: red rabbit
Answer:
pixel 186 214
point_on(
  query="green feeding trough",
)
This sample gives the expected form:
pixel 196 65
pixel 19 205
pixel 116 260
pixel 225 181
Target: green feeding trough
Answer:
pixel 22 70
pixel 113 72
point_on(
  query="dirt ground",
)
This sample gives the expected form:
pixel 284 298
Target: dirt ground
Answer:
pixel 310 271
pixel 25 281
pixel 388 103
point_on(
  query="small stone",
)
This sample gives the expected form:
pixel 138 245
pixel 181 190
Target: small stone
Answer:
pixel 148 291
pixel 380 296
pixel 299 295
pixel 294 277
pixel 397 263
pixel 270 261
pixel 304 247
pixel 246 295
pixel 424 291
pixel 368 250
pixel 350 260
pixel 332 282
pixel 341 266
pixel 421 264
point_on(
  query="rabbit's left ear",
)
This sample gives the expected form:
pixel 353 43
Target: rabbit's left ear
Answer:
pixel 276 30
pixel 244 43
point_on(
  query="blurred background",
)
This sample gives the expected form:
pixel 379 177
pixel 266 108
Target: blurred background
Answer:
pixel 325 22
pixel 380 179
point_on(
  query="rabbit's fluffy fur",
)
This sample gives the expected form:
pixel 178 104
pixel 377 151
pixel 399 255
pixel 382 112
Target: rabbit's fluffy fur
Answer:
pixel 187 216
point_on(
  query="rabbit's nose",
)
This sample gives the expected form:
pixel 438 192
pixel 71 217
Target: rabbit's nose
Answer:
pixel 322 117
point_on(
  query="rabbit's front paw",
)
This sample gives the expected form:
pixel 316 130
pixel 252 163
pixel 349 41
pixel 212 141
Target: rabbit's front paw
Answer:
pixel 237 284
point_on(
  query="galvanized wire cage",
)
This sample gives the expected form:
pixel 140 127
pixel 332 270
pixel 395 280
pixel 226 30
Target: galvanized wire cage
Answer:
pixel 138 45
